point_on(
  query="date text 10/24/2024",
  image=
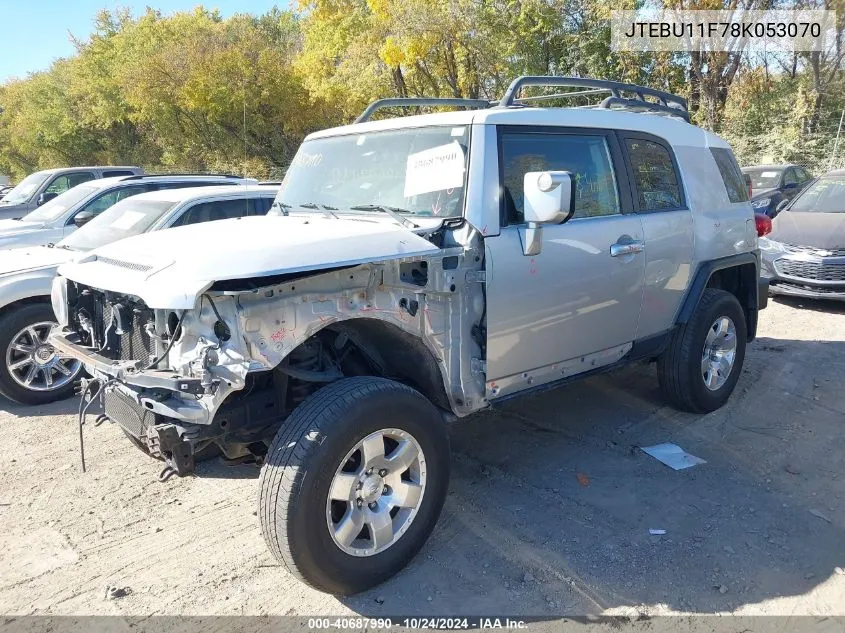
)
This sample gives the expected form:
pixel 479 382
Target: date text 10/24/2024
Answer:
pixel 420 622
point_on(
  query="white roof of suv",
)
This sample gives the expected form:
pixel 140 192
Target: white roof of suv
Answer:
pixel 673 130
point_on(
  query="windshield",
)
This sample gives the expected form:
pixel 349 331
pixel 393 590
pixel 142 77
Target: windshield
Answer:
pixel 25 188
pixel 420 171
pixel 58 205
pixel 126 218
pixel 825 195
pixel 763 178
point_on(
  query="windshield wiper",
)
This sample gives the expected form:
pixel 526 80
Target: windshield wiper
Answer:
pixel 313 205
pixel 393 212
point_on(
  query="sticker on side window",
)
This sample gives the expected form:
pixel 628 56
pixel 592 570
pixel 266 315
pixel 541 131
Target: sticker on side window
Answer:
pixel 435 169
pixel 127 220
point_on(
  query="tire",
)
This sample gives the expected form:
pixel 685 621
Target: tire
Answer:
pixel 305 459
pixel 680 369
pixel 13 324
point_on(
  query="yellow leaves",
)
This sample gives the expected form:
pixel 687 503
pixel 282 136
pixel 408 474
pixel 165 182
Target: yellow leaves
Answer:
pixel 391 53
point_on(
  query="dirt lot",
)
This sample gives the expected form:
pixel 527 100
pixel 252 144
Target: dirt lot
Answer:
pixel 549 510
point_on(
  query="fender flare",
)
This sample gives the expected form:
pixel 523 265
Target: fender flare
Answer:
pixel 753 300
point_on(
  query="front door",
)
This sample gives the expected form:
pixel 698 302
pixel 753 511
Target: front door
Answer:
pixel 575 305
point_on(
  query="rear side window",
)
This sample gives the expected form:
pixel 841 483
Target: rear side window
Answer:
pixel 731 174
pixel 654 176
pixel 62 183
pixel 586 157
pixel 217 210
pixel 261 206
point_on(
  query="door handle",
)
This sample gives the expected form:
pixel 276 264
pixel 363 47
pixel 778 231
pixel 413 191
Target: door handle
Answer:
pixel 626 248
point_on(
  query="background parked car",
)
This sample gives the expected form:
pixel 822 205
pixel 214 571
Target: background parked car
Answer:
pixel 42 186
pixel 31 372
pixel 771 184
pixel 62 215
pixel 805 253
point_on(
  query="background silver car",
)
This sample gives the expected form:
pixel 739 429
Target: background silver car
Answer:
pixel 805 253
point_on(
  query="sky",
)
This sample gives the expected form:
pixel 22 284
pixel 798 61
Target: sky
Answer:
pixel 35 32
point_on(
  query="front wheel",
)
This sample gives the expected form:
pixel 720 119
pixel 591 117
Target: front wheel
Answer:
pixel 32 371
pixel 354 483
pixel 700 368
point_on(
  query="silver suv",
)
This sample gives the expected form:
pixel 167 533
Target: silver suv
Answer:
pixel 415 271
pixel 42 186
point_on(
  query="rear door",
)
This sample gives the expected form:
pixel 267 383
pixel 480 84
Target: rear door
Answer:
pixel 661 204
pixel 575 305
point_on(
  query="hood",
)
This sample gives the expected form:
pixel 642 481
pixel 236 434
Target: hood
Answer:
pixel 172 268
pixel 14 227
pixel 12 211
pixel 19 260
pixel 817 230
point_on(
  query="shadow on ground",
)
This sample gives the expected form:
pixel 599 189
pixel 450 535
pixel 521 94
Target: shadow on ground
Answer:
pixel 64 407
pixel 815 305
pixel 551 501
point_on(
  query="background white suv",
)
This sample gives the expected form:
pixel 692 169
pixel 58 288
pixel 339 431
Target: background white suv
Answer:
pixel 63 214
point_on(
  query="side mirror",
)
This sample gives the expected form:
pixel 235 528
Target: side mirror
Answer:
pixel 45 197
pixel 549 199
pixel 781 206
pixel 791 185
pixel 83 217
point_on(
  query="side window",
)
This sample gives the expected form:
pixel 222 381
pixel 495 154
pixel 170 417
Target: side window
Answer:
pixel 106 200
pixel 731 174
pixel 61 184
pixel 586 157
pixel 803 176
pixel 216 210
pixel 117 172
pixel 789 177
pixel 262 206
pixel 654 176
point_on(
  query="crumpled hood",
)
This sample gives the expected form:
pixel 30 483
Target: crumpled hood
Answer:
pixel 817 230
pixel 17 260
pixel 172 268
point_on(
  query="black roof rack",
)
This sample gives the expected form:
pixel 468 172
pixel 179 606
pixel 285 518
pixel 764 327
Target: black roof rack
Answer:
pixel 414 102
pixel 666 103
pixel 139 176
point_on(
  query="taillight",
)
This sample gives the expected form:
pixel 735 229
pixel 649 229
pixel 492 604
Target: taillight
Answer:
pixel 764 224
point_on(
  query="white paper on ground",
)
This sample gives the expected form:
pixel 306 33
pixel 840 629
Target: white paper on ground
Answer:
pixel 673 456
pixel 435 169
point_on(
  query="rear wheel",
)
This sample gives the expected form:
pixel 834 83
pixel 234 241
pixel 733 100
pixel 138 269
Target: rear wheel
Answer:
pixel 32 371
pixel 353 483
pixel 701 366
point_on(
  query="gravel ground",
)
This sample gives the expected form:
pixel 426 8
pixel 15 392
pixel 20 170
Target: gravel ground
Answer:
pixel 549 509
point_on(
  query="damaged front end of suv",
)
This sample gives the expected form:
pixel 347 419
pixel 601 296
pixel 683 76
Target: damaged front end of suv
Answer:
pixel 192 368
